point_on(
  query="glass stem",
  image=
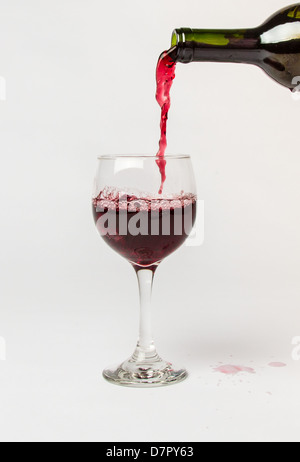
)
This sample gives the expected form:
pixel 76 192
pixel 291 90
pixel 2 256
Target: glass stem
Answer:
pixel 145 347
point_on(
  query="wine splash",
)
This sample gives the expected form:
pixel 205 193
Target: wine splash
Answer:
pixel 165 74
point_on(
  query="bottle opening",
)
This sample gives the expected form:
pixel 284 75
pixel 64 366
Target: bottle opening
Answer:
pixel 175 38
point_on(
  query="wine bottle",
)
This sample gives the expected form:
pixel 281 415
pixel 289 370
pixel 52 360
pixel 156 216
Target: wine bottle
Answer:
pixel 274 46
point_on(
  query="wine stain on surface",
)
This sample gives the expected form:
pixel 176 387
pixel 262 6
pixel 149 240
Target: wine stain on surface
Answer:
pixel 233 370
pixel 277 364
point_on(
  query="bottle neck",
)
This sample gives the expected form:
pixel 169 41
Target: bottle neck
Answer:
pixel 199 45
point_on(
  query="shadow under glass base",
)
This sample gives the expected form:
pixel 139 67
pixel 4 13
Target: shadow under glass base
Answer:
pixel 144 370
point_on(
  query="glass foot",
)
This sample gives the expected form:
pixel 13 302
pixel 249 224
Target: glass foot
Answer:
pixel 144 370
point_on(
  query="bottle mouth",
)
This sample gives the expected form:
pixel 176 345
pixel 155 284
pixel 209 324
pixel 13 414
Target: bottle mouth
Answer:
pixel 179 36
pixel 175 38
pixel 180 51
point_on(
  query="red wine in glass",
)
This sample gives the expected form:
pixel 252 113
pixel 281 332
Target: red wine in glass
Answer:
pixel 144 231
pixel 144 227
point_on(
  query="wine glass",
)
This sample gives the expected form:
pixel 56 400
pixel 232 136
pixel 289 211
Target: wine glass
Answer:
pixel 144 226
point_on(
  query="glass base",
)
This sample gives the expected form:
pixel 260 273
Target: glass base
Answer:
pixel 145 369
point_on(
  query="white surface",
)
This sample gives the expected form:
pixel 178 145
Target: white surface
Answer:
pixel 68 303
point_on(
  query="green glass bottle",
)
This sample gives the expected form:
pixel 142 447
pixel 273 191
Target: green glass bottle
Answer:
pixel 274 46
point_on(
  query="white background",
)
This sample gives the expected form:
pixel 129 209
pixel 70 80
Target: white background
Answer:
pixel 80 82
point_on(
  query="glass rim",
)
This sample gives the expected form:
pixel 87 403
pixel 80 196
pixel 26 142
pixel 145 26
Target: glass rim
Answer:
pixel 142 156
